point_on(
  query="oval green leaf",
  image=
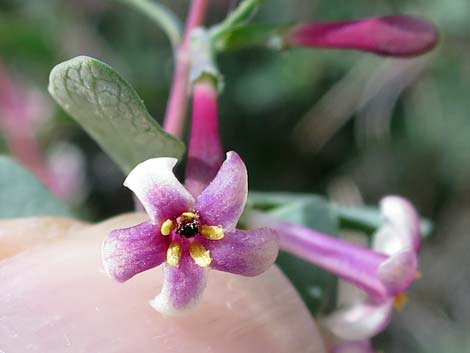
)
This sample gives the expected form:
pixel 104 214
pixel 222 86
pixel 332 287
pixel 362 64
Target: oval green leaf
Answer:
pixel 111 112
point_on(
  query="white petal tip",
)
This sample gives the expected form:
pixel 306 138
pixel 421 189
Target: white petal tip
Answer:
pixel 149 167
pixel 398 272
pixel 360 321
pixel 164 307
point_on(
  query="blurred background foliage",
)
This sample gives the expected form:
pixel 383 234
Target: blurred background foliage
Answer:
pixel 345 124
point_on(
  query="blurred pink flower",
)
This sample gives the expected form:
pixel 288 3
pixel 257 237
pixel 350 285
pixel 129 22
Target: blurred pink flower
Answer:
pixel 23 110
pixel 389 35
pixel 359 316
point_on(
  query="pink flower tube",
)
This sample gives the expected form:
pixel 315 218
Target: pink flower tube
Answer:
pixel 389 35
pixel 382 275
pixel 383 272
pixel 205 149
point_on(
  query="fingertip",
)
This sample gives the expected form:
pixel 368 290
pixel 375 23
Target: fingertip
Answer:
pixel 18 235
pixel 59 295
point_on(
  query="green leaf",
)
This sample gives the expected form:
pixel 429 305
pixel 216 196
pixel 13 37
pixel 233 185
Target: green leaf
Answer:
pixel 23 195
pixel 316 286
pixel 369 219
pixel 252 35
pixel 240 15
pixel 110 110
pixel 266 201
pixel 36 46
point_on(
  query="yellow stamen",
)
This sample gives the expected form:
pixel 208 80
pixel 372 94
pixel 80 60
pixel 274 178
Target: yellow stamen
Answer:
pixel 190 215
pixel 173 254
pixel 400 301
pixel 167 227
pixel 200 255
pixel 419 275
pixel 212 232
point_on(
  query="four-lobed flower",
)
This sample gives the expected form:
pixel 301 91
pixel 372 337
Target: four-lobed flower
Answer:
pixel 188 235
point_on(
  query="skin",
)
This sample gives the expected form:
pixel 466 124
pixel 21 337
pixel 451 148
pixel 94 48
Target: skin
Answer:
pixel 56 298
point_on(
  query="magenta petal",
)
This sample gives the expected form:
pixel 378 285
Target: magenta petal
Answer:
pixel 244 252
pixel 223 201
pixel 157 188
pixel 182 287
pixel 129 251
pixel 389 35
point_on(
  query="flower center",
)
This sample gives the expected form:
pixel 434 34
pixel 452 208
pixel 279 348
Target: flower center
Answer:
pixel 188 229
pixel 187 225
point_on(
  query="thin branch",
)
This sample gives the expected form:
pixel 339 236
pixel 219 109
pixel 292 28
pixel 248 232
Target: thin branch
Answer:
pixel 178 101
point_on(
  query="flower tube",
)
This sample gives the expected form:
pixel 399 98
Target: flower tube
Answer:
pixel 205 148
pixel 382 275
pixel 389 35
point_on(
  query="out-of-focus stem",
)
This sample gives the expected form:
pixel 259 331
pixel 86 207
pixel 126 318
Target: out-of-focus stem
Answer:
pixel 177 103
pixel 163 16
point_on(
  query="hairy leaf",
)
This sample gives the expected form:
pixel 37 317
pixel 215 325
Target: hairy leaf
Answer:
pixel 110 110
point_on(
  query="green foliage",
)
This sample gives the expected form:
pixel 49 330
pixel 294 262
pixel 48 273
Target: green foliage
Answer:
pixel 35 49
pixel 110 110
pixel 262 35
pixel 162 16
pixel 240 15
pixel 23 195
pixel 368 219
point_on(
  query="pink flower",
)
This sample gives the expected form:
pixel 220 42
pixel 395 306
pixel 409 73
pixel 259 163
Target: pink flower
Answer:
pixel 188 235
pixel 382 275
pixel 389 35
pixel 360 317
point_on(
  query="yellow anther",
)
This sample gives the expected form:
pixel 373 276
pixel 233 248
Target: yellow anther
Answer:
pixel 190 215
pixel 173 254
pixel 200 255
pixel 419 275
pixel 400 301
pixel 212 232
pixel 167 227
